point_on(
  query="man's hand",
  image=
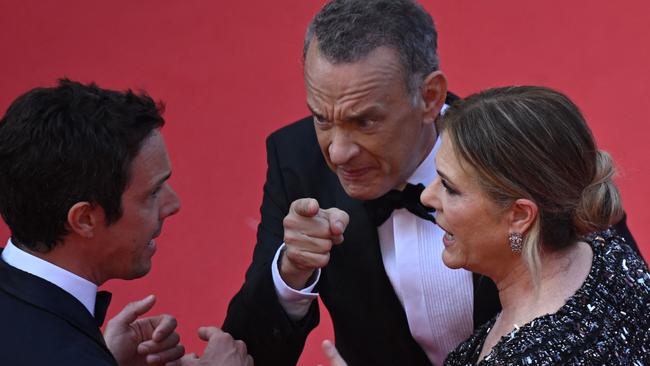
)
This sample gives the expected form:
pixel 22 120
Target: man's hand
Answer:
pixel 332 354
pixel 145 341
pixel 309 233
pixel 222 350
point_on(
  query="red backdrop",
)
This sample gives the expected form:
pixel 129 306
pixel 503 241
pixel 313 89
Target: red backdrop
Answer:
pixel 230 73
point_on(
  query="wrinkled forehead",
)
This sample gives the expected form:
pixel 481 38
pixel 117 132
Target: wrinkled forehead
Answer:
pixel 383 58
pixel 380 70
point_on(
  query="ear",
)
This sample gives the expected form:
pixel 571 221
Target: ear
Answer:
pixel 84 217
pixel 434 93
pixel 523 214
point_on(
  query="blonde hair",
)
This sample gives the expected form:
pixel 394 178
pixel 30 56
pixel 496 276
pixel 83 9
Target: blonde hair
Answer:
pixel 532 142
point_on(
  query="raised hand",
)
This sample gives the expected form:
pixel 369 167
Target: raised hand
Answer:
pixel 309 234
pixel 222 350
pixel 145 341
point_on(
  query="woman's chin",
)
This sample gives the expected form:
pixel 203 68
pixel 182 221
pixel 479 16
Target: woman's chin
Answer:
pixel 452 260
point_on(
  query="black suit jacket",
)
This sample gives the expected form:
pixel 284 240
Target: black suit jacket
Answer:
pixel 41 324
pixel 370 324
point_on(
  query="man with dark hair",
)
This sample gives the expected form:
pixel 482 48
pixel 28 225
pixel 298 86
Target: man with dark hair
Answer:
pixel 341 217
pixel 83 189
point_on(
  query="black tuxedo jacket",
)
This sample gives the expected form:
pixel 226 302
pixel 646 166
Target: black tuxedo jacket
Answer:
pixel 370 324
pixel 41 324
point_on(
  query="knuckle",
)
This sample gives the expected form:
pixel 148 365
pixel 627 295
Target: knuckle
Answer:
pixel 241 345
pixel 289 221
pixel 294 256
pixel 323 260
pixel 345 217
pixel 327 246
pixel 290 238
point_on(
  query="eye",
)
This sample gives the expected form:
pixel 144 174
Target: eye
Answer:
pixel 156 191
pixel 321 122
pixel 366 123
pixel 448 189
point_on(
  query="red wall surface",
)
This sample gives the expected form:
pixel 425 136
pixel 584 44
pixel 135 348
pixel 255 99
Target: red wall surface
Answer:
pixel 230 73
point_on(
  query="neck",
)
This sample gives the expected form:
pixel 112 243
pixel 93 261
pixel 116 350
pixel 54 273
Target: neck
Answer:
pixel 66 255
pixel 562 273
pixel 422 150
pixel 430 136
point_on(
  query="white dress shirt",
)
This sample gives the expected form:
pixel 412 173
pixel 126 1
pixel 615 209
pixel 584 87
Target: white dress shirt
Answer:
pixel 438 301
pixel 82 289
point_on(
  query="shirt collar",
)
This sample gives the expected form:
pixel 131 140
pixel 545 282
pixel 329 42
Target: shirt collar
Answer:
pixel 82 289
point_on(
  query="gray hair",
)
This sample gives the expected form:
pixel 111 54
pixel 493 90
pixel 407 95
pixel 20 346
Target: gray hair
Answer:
pixel 348 30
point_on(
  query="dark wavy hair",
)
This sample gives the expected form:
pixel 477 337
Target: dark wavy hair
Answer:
pixel 67 144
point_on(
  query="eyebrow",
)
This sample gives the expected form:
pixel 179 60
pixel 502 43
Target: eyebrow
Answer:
pixel 364 113
pixel 444 176
pixel 313 112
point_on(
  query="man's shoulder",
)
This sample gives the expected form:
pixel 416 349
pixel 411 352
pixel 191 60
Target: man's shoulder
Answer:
pixel 302 128
pixel 296 143
pixel 17 310
pixel 38 336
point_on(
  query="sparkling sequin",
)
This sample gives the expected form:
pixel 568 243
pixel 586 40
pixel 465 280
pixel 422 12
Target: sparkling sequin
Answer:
pixel 606 322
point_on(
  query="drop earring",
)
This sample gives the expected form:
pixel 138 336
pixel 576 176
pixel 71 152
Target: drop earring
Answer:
pixel 516 242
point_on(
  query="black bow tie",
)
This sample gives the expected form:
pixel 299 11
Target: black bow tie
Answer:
pixel 102 301
pixel 380 208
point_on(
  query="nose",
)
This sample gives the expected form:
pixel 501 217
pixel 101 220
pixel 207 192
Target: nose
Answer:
pixel 429 196
pixel 342 147
pixel 172 205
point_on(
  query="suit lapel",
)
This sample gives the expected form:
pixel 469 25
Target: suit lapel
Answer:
pixel 50 298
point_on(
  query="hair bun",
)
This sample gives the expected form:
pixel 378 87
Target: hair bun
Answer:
pixel 600 202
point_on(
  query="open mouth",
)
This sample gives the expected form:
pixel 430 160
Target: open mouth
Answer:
pixel 448 238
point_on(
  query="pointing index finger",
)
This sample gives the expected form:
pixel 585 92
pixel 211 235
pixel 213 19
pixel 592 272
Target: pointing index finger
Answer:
pixel 306 207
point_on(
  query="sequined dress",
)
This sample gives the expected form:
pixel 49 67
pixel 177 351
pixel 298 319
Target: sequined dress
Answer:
pixel 606 322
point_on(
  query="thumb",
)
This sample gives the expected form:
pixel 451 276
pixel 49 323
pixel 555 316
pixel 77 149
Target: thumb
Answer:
pixel 332 354
pixel 205 333
pixel 133 310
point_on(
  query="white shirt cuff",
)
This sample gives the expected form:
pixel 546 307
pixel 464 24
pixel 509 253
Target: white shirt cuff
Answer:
pixel 294 302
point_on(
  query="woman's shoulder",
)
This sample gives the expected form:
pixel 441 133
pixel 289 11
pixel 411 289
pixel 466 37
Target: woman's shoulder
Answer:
pixel 606 321
pixel 467 352
pixel 617 267
pixel 619 281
